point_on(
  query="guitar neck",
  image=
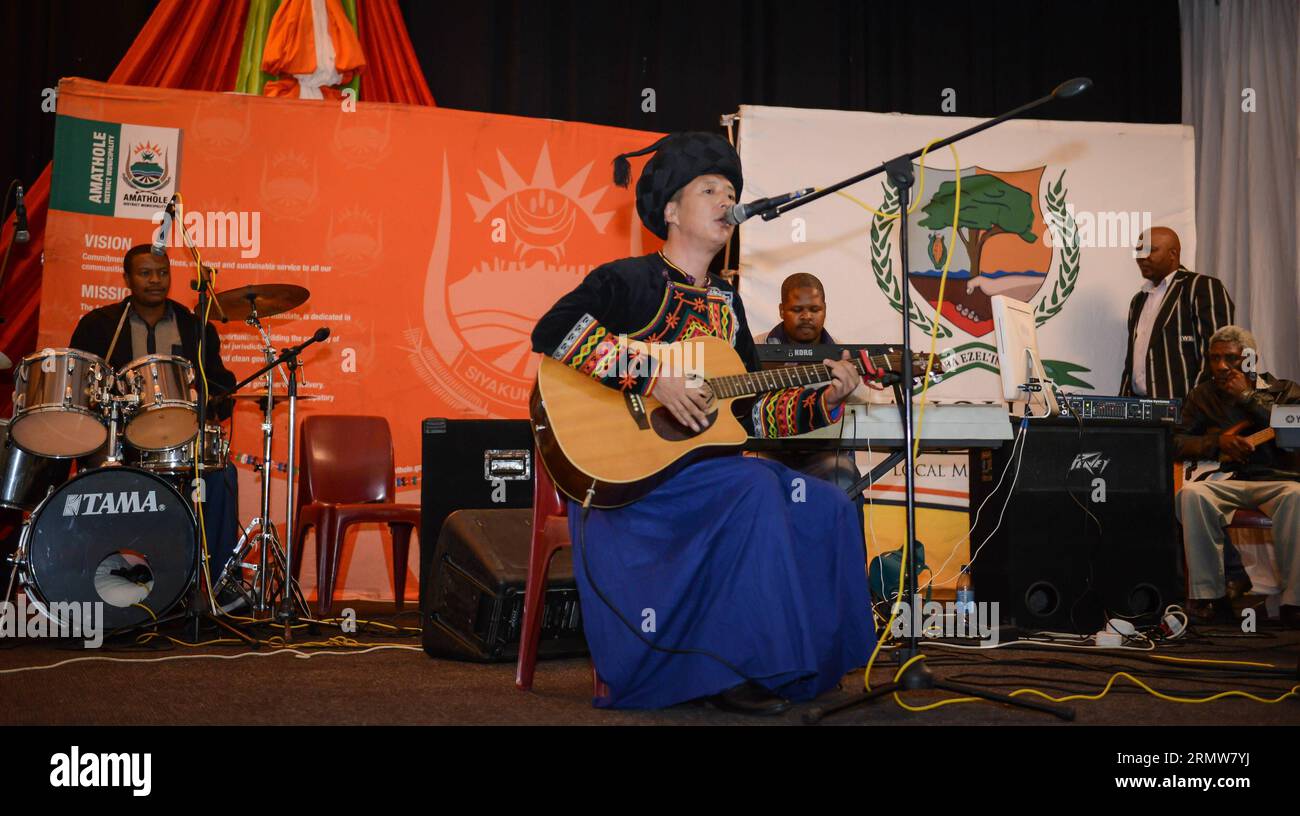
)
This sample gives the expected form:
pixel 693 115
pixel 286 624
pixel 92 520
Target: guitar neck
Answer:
pixel 775 379
pixel 1260 437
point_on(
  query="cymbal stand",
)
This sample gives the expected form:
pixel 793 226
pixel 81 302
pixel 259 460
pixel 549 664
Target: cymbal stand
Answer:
pixel 267 539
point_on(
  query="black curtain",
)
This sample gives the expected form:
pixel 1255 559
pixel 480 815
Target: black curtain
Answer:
pixel 41 42
pixel 591 61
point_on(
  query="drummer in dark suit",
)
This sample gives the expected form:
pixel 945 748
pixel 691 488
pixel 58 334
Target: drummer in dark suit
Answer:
pixel 155 324
pixel 148 322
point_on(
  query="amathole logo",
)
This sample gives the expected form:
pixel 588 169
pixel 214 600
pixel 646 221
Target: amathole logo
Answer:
pixel 92 770
pixel 95 504
pixel 147 167
pixel 1091 462
pixel 113 169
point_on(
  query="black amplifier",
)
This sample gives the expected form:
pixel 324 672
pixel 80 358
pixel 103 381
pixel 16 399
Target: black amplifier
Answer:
pixel 1121 409
pixel 473 608
pixel 1088 531
pixel 470 463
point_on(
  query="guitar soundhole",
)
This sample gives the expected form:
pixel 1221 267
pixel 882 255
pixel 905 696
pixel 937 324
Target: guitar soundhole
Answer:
pixel 668 428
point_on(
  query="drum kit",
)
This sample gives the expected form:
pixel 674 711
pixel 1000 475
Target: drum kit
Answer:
pixel 122 528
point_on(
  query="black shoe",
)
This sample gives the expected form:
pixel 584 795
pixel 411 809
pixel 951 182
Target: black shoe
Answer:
pixel 1211 612
pixel 1239 587
pixel 750 698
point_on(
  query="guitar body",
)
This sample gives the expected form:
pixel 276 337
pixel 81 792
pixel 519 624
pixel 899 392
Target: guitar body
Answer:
pixel 590 435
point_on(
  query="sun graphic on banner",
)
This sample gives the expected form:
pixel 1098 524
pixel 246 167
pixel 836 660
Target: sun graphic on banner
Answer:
pixel 537 233
pixel 540 214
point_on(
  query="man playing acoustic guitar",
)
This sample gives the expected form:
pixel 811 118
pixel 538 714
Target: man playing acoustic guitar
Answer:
pixel 737 578
pixel 1217 420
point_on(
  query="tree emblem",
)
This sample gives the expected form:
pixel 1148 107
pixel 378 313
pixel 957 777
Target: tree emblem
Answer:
pixel 989 207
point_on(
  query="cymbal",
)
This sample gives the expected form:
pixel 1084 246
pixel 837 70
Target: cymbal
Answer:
pixel 269 298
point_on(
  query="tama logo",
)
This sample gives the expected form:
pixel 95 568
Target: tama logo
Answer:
pixel 1091 462
pixel 96 504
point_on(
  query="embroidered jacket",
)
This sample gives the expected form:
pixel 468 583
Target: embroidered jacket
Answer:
pixel 650 300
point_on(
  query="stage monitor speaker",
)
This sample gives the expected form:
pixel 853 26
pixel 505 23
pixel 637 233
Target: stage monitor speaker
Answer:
pixel 1089 531
pixel 471 463
pixel 474 606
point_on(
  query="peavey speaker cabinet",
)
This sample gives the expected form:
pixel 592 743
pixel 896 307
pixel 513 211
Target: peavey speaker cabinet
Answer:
pixel 1089 531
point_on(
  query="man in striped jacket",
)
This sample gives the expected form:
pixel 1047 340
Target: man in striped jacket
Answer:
pixel 1170 321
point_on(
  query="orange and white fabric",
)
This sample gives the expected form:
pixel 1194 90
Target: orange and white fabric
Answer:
pixel 315 43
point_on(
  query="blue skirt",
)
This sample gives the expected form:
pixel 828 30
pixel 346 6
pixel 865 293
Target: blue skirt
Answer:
pixel 741 557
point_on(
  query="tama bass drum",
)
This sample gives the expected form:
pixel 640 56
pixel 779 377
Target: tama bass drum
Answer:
pixel 121 536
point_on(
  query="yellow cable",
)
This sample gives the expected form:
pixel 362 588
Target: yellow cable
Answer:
pixel 939 704
pixel 1293 692
pixel 938 306
pixel 206 577
pixel 1220 662
pixel 919 193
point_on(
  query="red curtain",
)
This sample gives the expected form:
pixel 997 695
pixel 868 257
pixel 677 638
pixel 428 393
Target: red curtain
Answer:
pixel 392 72
pixel 190 44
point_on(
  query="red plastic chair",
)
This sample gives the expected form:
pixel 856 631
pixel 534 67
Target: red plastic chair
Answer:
pixel 1250 520
pixel 346 477
pixel 550 534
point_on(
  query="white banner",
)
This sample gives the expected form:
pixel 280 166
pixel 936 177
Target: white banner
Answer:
pixel 1107 181
pixel 1104 182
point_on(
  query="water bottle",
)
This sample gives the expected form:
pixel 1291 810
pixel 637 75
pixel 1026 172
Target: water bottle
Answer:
pixel 965 595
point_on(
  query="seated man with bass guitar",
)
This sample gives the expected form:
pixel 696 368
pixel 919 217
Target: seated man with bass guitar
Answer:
pixel 1227 417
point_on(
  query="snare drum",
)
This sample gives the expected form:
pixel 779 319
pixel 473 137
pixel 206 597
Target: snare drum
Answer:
pixel 180 459
pixel 24 477
pixel 166 415
pixel 58 394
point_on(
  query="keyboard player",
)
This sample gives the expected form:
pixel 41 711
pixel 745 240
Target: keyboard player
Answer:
pixel 803 323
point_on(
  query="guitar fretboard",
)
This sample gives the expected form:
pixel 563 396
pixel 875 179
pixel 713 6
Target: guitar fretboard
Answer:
pixel 775 379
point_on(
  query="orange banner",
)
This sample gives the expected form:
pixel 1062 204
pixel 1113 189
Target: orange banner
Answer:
pixel 430 239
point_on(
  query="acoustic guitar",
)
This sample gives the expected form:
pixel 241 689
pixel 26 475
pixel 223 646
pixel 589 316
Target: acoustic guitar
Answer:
pixel 611 448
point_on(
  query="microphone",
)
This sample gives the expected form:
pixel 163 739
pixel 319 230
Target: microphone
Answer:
pixel 136 574
pixel 1071 87
pixel 21 234
pixel 159 247
pixel 320 335
pixel 743 212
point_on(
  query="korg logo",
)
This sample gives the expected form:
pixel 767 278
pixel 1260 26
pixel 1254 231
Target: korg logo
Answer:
pixel 1091 462
pixel 95 504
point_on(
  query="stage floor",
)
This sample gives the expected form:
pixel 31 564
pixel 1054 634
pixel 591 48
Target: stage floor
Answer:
pixel 213 685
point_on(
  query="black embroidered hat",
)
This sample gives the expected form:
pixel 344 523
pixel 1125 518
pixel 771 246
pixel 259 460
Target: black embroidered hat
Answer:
pixel 678 159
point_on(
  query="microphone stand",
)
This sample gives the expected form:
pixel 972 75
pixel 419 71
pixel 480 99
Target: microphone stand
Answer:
pixel 196 610
pixel 900 174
